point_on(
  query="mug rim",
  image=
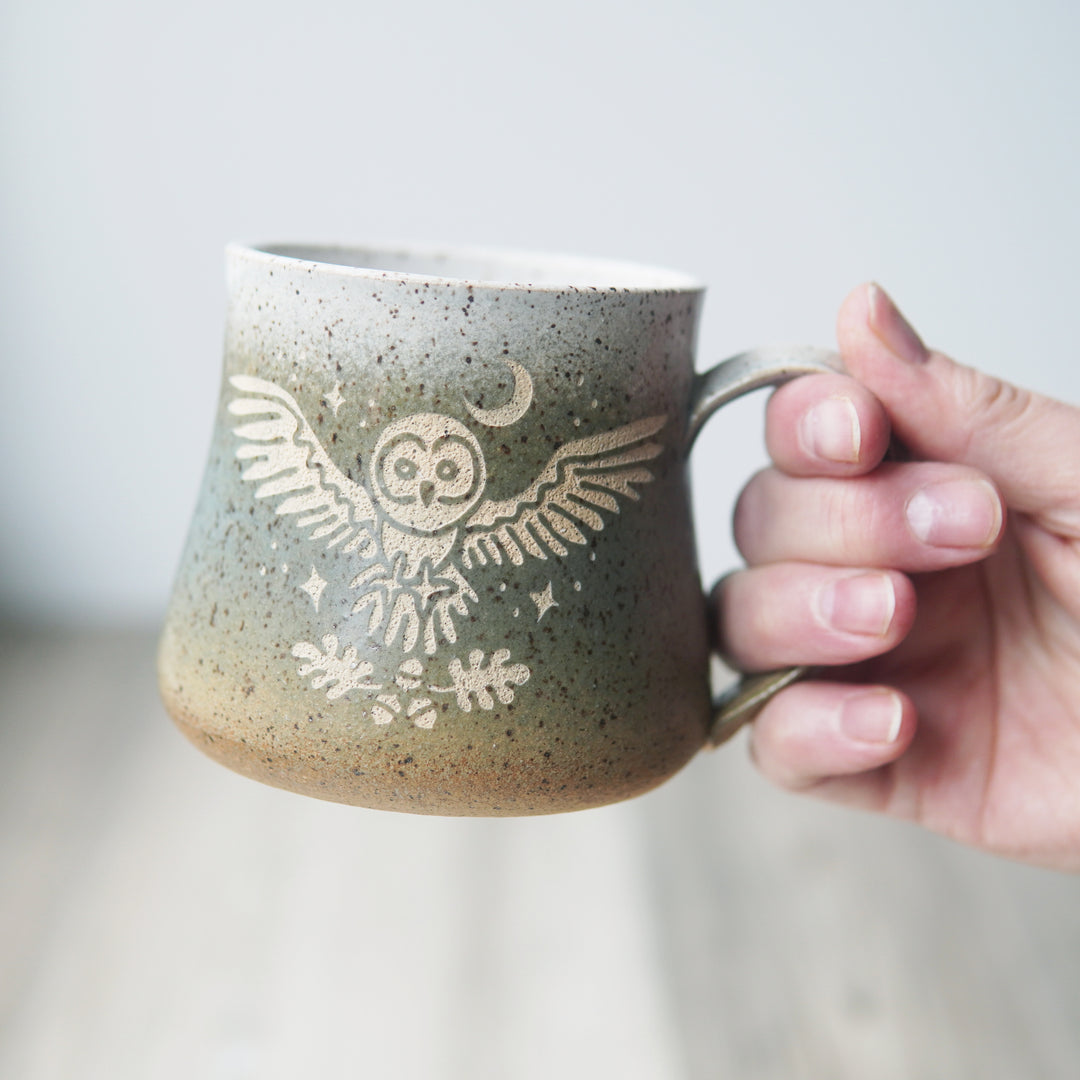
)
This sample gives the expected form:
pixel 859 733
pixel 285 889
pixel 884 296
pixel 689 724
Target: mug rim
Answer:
pixel 525 271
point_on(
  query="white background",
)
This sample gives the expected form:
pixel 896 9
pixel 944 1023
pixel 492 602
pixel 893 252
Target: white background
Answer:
pixel 782 152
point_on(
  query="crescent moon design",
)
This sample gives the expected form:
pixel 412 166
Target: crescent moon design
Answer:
pixel 515 408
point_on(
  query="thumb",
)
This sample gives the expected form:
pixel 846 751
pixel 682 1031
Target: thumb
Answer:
pixel 1029 445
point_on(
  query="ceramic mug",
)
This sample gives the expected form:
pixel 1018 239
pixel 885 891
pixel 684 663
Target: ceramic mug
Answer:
pixel 443 558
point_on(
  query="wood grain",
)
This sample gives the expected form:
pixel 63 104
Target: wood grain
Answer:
pixel 161 917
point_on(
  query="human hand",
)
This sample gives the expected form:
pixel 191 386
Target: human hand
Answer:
pixel 943 593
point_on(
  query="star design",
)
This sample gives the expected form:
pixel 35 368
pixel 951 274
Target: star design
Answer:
pixel 426 590
pixel 314 587
pixel 544 601
pixel 334 399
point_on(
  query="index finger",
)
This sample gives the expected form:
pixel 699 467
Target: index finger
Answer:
pixel 826 425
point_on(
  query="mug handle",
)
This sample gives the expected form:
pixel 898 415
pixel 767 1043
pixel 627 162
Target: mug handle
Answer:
pixel 768 366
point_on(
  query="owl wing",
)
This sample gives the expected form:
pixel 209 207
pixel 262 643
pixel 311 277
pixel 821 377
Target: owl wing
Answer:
pixel 286 455
pixel 582 476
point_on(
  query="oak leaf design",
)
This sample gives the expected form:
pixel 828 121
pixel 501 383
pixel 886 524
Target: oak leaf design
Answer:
pixel 340 674
pixel 481 680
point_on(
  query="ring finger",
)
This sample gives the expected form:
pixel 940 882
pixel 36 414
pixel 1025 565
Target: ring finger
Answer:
pixel 801 613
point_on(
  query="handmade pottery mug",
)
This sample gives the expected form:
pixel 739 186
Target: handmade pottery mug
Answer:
pixel 443 557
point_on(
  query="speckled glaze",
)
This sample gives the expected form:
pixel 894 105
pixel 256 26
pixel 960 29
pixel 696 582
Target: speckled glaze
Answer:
pixel 345 628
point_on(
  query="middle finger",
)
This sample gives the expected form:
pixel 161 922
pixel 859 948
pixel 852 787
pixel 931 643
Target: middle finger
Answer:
pixel 914 517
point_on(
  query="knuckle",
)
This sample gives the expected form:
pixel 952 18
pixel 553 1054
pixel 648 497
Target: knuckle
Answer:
pixel 751 507
pixel 845 519
pixel 996 404
pixel 745 621
pixel 775 751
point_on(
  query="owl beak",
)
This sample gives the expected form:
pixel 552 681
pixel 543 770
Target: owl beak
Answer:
pixel 427 490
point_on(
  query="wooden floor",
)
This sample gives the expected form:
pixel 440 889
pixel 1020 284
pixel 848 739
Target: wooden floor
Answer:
pixel 162 918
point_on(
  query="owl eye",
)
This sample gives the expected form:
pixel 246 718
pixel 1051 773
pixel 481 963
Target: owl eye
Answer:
pixel 447 470
pixel 404 469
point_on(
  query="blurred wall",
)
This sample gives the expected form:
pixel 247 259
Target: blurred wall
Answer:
pixel 783 152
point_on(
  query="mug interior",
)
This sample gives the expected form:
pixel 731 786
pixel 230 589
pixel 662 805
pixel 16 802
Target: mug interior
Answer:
pixel 481 267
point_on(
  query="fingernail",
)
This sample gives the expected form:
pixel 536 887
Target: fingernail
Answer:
pixel 872 716
pixel 893 330
pixel 955 514
pixel 830 431
pixel 860 604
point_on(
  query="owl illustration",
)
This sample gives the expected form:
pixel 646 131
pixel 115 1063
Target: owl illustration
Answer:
pixel 421 518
